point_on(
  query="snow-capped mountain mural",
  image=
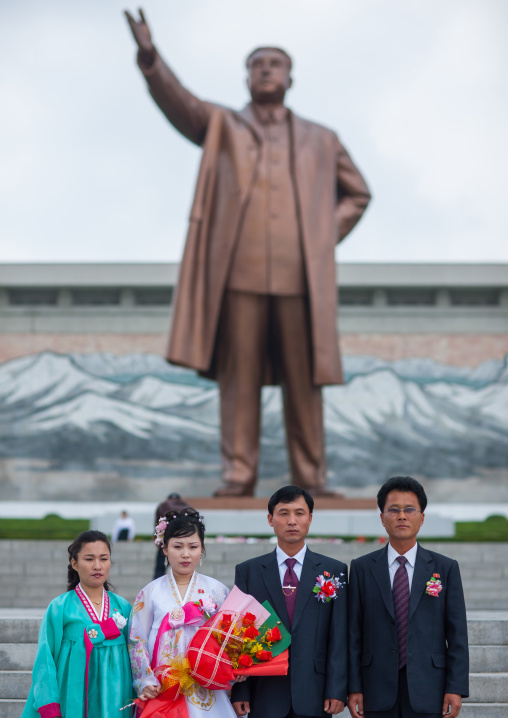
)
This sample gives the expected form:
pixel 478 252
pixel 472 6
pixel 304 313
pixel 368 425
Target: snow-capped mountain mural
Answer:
pixel 73 413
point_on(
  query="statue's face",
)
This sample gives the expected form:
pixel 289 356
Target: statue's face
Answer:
pixel 269 76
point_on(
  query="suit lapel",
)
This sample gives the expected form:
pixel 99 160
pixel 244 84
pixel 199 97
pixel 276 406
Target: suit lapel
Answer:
pixel 271 577
pixel 307 582
pixel 381 574
pixel 421 575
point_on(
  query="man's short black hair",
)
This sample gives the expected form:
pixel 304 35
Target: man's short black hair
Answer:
pixel 288 494
pixel 402 483
pixel 277 49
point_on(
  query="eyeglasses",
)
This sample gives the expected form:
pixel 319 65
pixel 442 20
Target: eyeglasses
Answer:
pixel 408 511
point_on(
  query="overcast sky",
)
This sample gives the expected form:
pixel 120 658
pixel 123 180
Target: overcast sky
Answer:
pixel 90 170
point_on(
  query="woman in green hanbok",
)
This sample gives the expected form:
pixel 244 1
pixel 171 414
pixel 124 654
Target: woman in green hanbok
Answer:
pixel 82 667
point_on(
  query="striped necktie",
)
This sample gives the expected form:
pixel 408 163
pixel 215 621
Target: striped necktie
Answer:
pixel 290 587
pixel 400 592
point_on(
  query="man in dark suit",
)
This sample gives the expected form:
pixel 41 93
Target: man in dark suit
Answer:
pixel 316 684
pixel 408 645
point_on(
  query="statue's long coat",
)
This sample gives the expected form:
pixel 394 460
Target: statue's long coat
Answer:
pixel 331 198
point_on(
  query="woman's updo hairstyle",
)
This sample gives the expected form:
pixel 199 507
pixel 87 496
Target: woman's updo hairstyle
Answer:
pixel 75 548
pixel 184 523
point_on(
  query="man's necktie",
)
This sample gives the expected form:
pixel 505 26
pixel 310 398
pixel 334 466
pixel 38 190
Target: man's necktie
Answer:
pixel 400 591
pixel 290 587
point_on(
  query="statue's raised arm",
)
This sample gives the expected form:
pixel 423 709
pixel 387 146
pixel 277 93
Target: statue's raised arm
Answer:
pixel 185 111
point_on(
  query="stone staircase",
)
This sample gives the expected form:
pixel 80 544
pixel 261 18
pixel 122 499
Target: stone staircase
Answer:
pixel 488 635
pixel 34 572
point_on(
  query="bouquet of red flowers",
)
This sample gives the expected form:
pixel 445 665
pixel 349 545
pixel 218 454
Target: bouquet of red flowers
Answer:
pixel 237 641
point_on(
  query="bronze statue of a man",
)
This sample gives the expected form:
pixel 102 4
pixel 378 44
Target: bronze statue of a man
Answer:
pixel 256 297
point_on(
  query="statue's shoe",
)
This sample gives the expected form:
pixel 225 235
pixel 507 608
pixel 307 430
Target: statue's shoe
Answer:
pixel 324 493
pixel 235 489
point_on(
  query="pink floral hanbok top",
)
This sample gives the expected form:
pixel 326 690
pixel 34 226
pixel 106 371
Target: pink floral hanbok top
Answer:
pixel 157 625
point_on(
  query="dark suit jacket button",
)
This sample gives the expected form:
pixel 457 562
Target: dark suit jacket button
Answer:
pixel 394 650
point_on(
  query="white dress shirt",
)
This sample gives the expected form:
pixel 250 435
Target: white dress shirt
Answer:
pixel 281 558
pixel 393 564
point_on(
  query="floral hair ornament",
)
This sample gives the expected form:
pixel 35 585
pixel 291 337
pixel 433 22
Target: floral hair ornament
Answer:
pixel 327 587
pixel 159 531
pixel 434 586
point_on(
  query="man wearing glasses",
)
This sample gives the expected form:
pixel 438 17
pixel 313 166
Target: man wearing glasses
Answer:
pixel 408 650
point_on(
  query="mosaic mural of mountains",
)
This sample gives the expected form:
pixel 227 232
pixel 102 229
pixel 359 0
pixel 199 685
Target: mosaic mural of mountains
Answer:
pixel 415 416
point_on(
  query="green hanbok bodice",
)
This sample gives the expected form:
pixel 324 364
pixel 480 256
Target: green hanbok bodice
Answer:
pixel 59 673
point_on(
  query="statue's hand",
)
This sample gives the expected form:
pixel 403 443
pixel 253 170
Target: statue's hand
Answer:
pixel 141 34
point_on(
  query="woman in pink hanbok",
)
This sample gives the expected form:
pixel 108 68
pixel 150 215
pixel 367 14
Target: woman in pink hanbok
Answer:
pixel 165 616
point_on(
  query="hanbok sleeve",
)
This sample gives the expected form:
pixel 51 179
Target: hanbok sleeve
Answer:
pixel 45 689
pixel 140 624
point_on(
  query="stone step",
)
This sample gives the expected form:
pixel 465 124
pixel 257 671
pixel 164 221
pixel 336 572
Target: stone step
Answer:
pixel 493 604
pixel 20 626
pixel 17 656
pixel 488 688
pixel 484 710
pixel 11 707
pixel 472 575
pixel 486 659
pixel 15 684
pixel 35 593
pixel 143 567
pixel 130 595
pixel 490 659
pixel 487 628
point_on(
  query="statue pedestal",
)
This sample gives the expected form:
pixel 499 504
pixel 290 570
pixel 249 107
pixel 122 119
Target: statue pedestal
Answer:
pixel 253 503
pixel 332 517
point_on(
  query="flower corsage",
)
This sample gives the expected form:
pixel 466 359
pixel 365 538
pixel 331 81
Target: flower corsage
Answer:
pixel 208 608
pixel 120 620
pixel 327 587
pixel 434 586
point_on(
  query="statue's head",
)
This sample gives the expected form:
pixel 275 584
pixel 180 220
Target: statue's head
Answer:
pixel 269 74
